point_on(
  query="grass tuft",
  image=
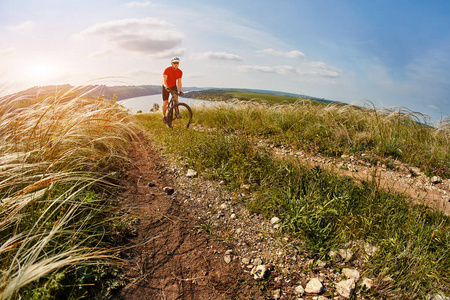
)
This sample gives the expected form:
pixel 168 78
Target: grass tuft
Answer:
pixel 61 159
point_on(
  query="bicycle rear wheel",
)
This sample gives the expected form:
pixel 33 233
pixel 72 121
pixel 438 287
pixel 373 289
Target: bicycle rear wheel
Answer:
pixel 180 116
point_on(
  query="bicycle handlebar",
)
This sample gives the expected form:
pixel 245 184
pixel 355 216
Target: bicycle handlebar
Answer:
pixel 174 93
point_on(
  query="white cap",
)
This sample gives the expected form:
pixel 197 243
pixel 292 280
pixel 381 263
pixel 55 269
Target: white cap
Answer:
pixel 175 59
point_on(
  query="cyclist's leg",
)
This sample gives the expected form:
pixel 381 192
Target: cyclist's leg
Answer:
pixel 165 96
pixel 175 98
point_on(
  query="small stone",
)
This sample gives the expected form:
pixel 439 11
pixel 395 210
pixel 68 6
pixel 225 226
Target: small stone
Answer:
pixel 299 290
pixel 367 283
pixel 346 254
pixel 259 272
pixel 314 286
pixel 257 261
pixel 332 255
pixel 346 288
pixel 191 173
pixel 276 294
pixel 233 216
pixel 274 220
pixel 223 206
pixel 321 264
pixel 436 180
pixel 245 187
pixel 437 296
pixel 168 190
pixel 370 250
pixel 246 260
pixel 227 258
pixel 351 273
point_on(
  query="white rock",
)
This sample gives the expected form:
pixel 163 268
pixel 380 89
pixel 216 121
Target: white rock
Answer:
pixel 332 255
pixel 346 254
pixel 274 220
pixel 367 283
pixel 346 288
pixel 321 264
pixel 246 260
pixel 257 261
pixel 245 187
pixel 437 296
pixel 191 173
pixel 436 180
pixel 370 250
pixel 227 258
pixel 314 286
pixel 299 290
pixel 351 273
pixel 259 272
pixel 276 294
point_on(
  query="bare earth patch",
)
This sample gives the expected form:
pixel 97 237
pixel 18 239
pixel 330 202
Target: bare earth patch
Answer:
pixel 170 257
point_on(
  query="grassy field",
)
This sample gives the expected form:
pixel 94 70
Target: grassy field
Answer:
pixel 335 129
pixel 61 161
pixel 63 157
pixel 324 210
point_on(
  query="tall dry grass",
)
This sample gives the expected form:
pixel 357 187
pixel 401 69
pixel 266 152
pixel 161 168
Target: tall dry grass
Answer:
pixel 60 159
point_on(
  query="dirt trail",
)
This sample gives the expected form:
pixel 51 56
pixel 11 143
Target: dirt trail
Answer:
pixel 171 258
pixel 183 237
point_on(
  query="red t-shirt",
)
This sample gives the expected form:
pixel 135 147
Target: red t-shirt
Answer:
pixel 172 76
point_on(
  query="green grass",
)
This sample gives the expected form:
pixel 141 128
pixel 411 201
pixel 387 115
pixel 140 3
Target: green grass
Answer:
pixel 324 210
pixel 233 94
pixel 380 136
pixel 61 160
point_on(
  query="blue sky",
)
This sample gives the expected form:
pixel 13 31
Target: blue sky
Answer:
pixel 391 53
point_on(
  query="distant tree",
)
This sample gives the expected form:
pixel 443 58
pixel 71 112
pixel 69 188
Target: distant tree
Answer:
pixel 155 107
pixel 139 111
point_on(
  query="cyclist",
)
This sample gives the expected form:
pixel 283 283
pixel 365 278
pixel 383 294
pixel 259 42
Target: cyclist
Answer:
pixel 171 82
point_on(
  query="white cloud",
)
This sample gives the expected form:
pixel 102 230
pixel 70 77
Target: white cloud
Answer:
pixel 287 54
pixel 148 36
pixel 140 4
pixel 7 52
pixel 23 27
pixel 282 70
pixel 220 56
pixel 319 69
pixel 310 69
pixel 99 54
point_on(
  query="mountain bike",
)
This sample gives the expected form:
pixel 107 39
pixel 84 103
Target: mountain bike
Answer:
pixel 179 112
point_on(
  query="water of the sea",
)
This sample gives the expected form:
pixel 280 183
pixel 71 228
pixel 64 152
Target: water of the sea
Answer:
pixel 146 103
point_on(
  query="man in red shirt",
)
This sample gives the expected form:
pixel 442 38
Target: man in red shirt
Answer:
pixel 171 81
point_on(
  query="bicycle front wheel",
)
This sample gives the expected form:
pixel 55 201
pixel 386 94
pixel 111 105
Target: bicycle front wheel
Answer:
pixel 180 115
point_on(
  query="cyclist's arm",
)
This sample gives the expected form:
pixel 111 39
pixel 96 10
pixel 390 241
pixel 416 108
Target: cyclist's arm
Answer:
pixel 179 85
pixel 165 81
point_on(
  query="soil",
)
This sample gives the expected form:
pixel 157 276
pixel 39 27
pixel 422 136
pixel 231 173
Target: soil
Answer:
pixel 193 240
pixel 170 256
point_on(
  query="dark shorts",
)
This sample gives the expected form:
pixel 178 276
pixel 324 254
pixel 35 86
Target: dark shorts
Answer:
pixel 165 93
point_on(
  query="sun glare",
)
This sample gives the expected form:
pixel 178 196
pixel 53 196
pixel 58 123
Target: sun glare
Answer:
pixel 43 71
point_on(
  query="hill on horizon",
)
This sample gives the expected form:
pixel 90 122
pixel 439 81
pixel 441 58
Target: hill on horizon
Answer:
pixel 125 92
